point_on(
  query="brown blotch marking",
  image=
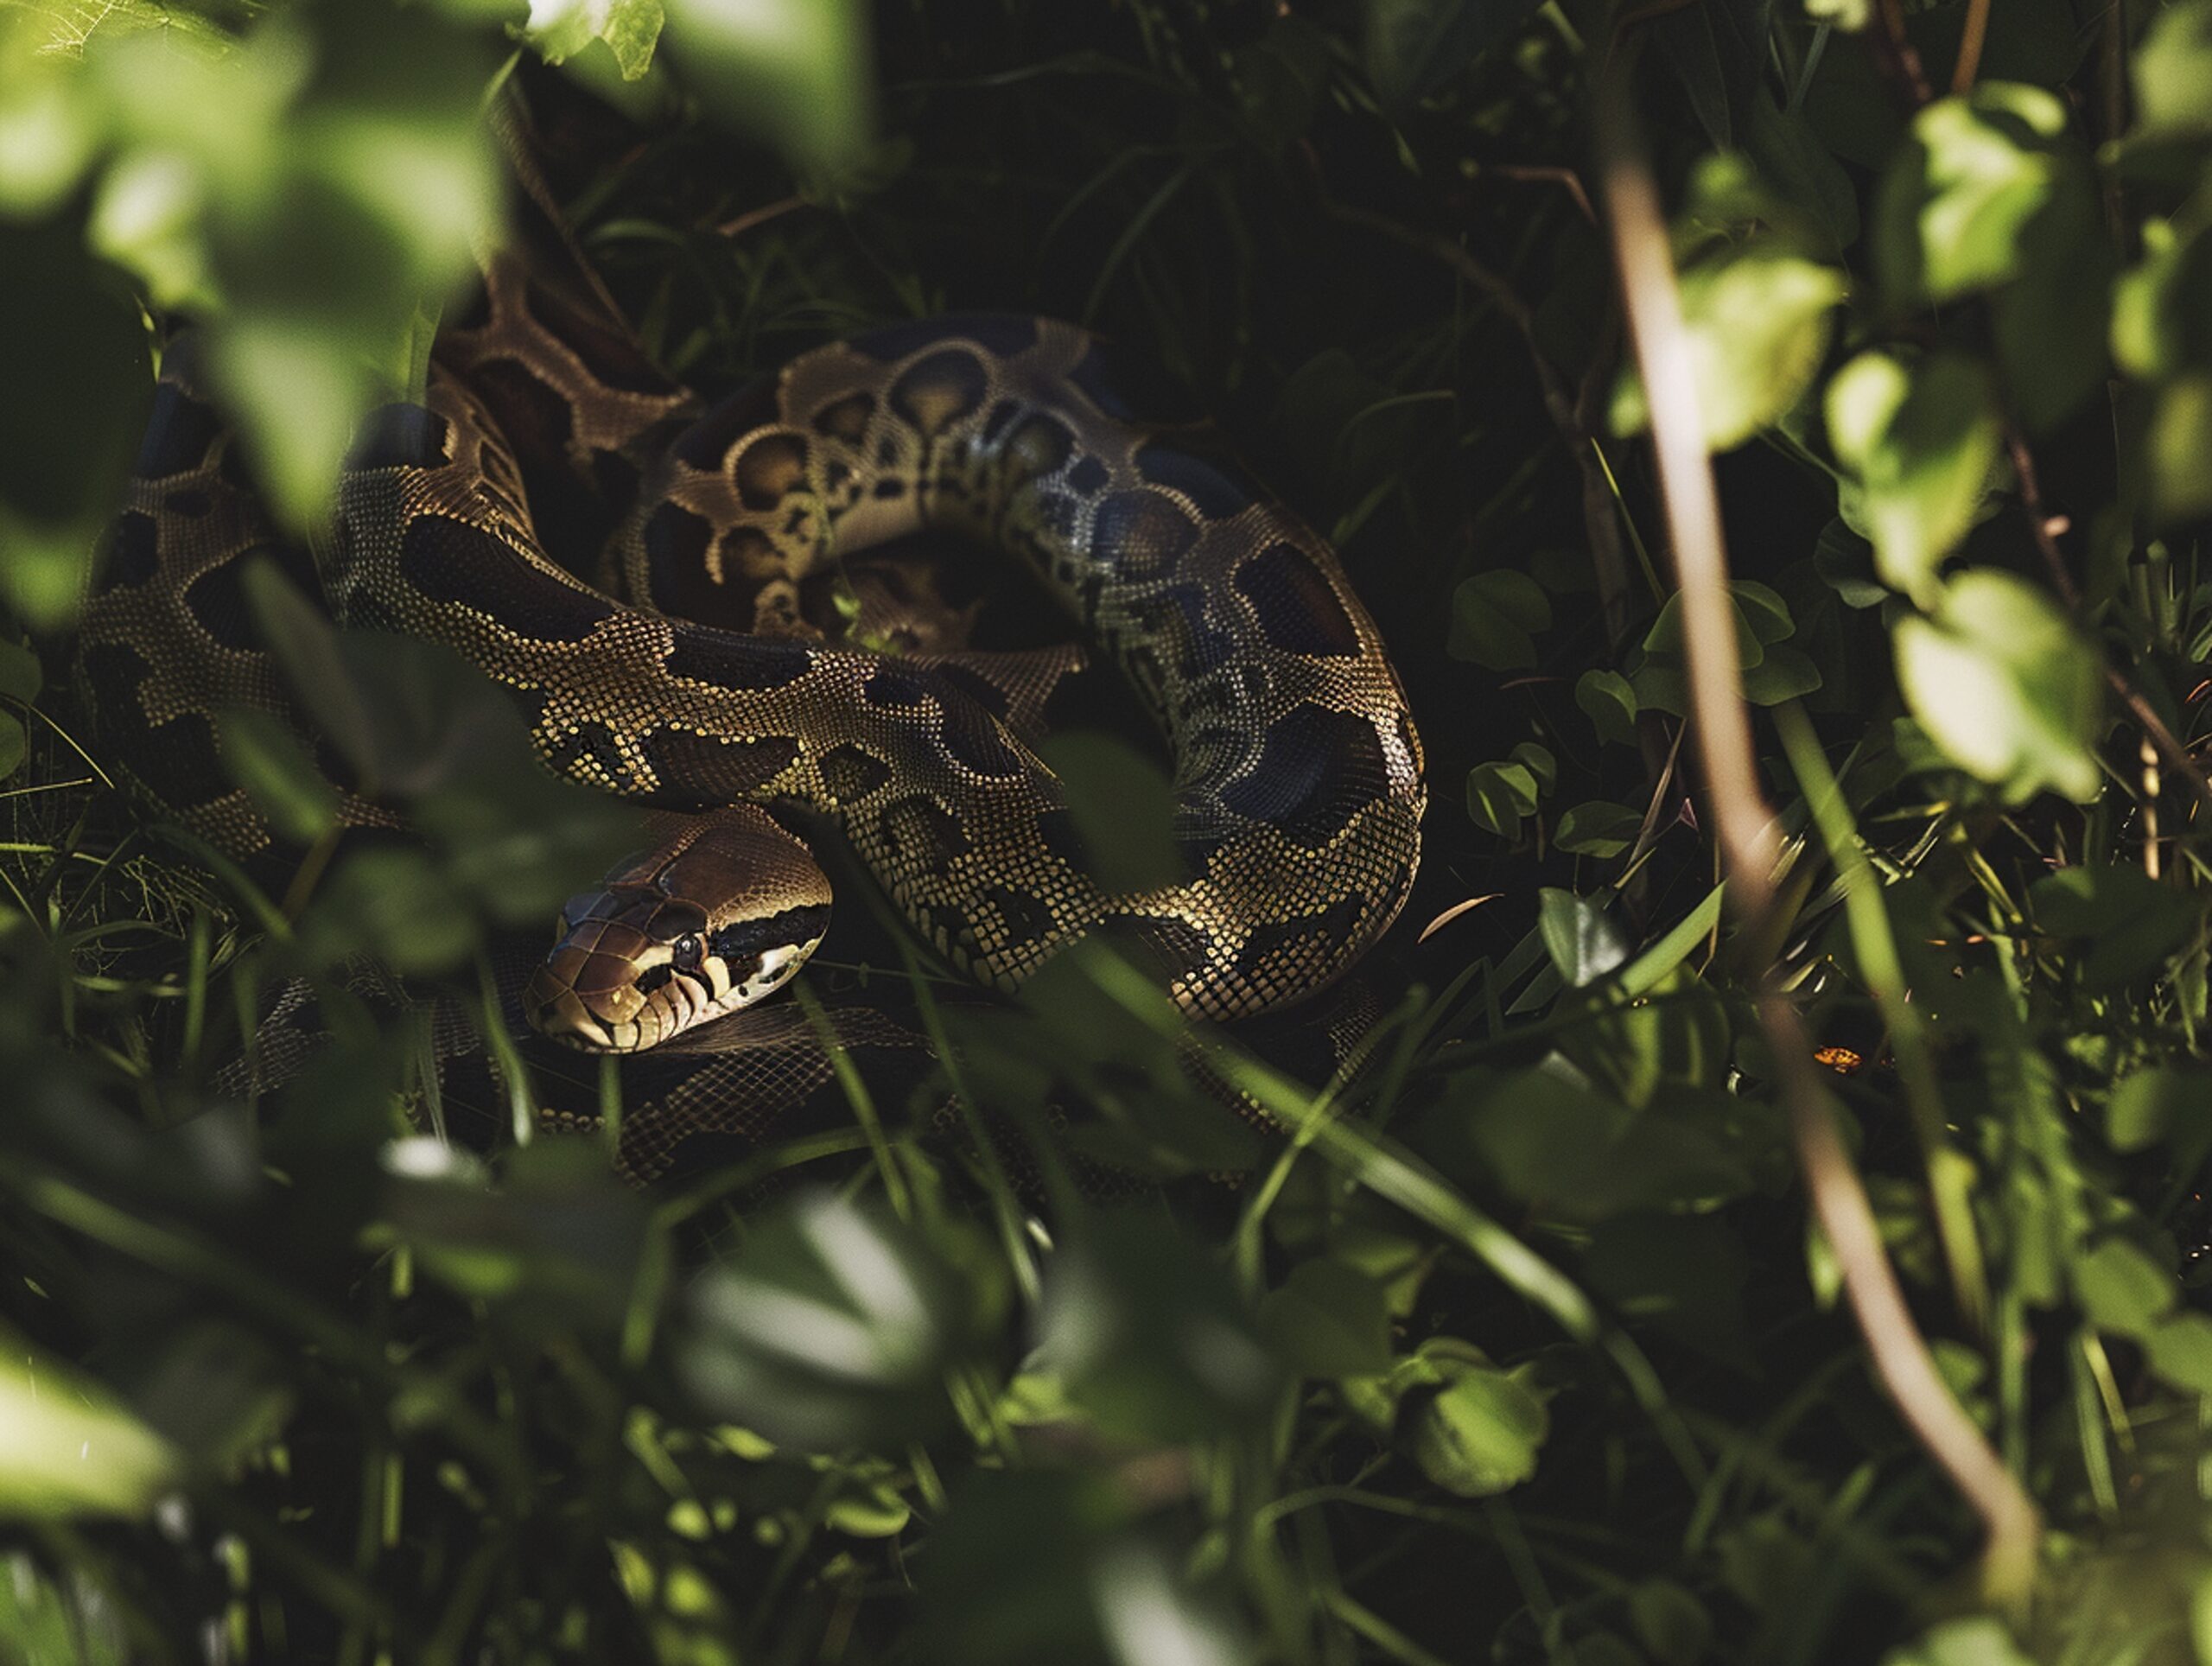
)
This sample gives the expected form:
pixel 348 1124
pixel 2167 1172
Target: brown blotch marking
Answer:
pixel 849 773
pixel 699 771
pixel 188 502
pixel 133 551
pixel 1142 533
pixel 924 834
pixel 847 418
pixel 1297 608
pixel 747 552
pixel 937 391
pixel 769 467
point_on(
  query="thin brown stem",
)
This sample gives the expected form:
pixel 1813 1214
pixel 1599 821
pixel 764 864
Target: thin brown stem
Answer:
pixel 1903 58
pixel 1970 44
pixel 1744 824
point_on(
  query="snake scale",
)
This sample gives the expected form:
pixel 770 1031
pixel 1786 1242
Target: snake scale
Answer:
pixel 1296 769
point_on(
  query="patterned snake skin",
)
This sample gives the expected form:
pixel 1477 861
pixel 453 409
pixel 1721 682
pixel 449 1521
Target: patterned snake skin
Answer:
pixel 1297 772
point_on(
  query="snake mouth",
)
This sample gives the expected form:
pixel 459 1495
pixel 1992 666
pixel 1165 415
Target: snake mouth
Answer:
pixel 597 1002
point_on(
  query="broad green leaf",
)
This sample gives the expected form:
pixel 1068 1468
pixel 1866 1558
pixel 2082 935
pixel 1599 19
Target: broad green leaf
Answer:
pixel 2180 1350
pixel 2180 447
pixel 15 744
pixel 1923 437
pixel 1670 1622
pixel 1610 702
pixel 1495 618
pixel 1580 935
pixel 2123 1290
pixel 1977 1640
pixel 2158 1103
pixel 1757 315
pixel 1954 209
pixel 395 902
pixel 2003 682
pixel 264 756
pixel 1150 1335
pixel 834 1324
pixel 796 72
pixel 2173 73
pixel 68 1449
pixel 21 675
pixel 2162 309
pixel 630 27
pixel 1480 1434
pixel 1498 795
pixel 1123 808
pixel 2128 921
pixel 1596 829
pixel 65 450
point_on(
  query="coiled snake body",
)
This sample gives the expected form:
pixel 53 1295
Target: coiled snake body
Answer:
pixel 1297 772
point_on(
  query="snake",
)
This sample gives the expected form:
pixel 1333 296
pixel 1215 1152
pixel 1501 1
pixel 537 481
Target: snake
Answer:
pixel 677 670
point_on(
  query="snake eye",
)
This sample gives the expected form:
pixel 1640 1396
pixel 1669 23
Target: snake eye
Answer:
pixel 686 952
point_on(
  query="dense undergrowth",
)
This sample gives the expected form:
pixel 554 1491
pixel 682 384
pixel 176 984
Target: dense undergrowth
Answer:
pixel 1516 1341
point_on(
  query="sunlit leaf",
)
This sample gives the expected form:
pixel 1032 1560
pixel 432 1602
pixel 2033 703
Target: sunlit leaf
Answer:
pixel 833 1326
pixel 630 27
pixel 2005 684
pixel 794 71
pixel 1757 315
pixel 1498 795
pixel 2173 72
pixel 1923 437
pixel 66 1449
pixel 1480 1433
pixel 1956 207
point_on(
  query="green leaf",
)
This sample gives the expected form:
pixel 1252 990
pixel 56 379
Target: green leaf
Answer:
pixel 796 72
pixel 68 1449
pixel 15 744
pixel 1495 617
pixel 2173 73
pixel 1123 807
pixel 1923 437
pixel 1150 1335
pixel 395 902
pixel 2003 682
pixel 1597 829
pixel 65 454
pixel 630 27
pixel 21 675
pixel 1479 1435
pixel 1580 935
pixel 2129 921
pixel 1977 1640
pixel 2158 1103
pixel 1672 1624
pixel 262 755
pixel 2123 1290
pixel 1414 47
pixel 2180 1350
pixel 1954 209
pixel 1609 703
pixel 1757 317
pixel 1498 795
pixel 2181 447
pixel 2162 320
pixel 1330 1321
pixel 834 1324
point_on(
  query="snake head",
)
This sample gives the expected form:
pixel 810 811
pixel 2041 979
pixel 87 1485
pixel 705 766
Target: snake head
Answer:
pixel 715 918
